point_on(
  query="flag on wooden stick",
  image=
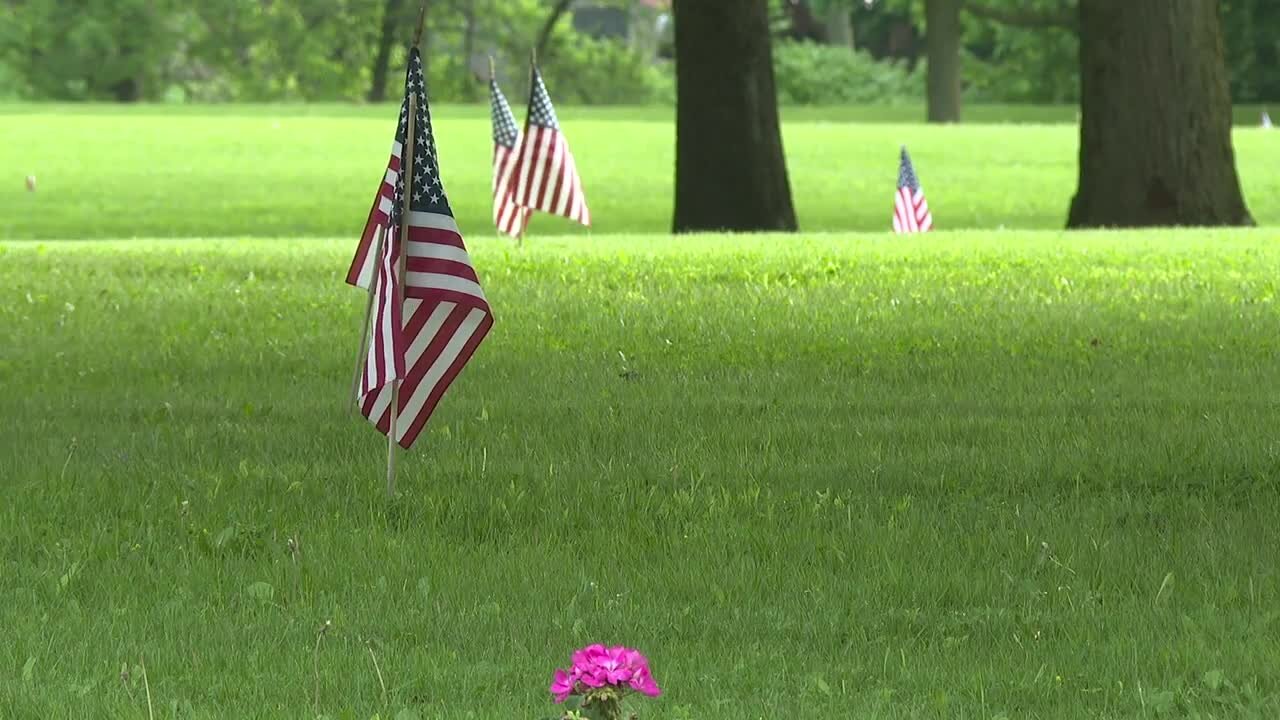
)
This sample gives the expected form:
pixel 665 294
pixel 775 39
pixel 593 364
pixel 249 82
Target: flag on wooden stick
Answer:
pixel 910 210
pixel 429 311
pixel 509 217
pixel 546 177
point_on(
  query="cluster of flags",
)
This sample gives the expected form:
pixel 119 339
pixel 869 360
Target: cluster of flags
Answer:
pixel 427 312
pixel 533 170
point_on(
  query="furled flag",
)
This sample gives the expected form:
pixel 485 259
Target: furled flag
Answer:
pixel 1266 120
pixel 910 210
pixel 545 177
pixel 507 215
pixel 422 345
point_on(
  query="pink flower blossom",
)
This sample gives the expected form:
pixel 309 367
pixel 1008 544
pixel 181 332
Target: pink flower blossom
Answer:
pixel 643 682
pixel 596 666
pixel 561 685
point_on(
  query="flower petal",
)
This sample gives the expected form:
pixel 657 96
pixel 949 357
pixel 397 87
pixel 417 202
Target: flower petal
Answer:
pixel 561 685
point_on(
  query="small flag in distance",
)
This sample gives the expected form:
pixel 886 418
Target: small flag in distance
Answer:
pixel 546 177
pixel 910 210
pixel 509 217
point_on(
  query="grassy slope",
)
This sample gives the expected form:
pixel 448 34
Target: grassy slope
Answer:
pixel 857 475
pixel 280 171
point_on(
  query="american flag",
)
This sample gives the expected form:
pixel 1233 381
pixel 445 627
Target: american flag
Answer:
pixel 507 215
pixel 545 177
pixel 423 345
pixel 910 210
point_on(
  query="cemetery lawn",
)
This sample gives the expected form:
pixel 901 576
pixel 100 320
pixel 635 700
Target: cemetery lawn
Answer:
pixel 969 475
pixel 311 171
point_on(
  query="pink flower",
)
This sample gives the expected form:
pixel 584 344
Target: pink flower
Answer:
pixel 561 685
pixel 643 682
pixel 612 664
pixel 596 666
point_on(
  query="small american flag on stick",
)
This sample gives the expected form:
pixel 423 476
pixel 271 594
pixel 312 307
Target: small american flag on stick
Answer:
pixel 509 217
pixel 429 313
pixel 545 177
pixel 910 210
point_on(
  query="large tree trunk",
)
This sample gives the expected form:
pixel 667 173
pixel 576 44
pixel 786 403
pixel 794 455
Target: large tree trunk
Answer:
pixel 942 28
pixel 839 22
pixel 391 25
pixel 1155 133
pixel 730 169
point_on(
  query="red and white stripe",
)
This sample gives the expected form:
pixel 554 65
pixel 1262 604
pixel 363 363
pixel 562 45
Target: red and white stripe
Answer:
pixel 509 217
pixel 384 363
pixel 546 177
pixel 444 319
pixel 363 264
pixel 911 211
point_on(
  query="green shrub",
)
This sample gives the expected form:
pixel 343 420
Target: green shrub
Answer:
pixel 10 83
pixel 605 72
pixel 811 74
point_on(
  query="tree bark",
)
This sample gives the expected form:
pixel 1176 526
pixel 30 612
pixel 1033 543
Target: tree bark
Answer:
pixel 391 17
pixel 544 35
pixel 471 87
pixel 730 170
pixel 839 22
pixel 942 77
pixel 1155 133
pixel 127 90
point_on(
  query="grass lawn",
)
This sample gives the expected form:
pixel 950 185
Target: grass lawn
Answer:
pixel 970 475
pixel 282 171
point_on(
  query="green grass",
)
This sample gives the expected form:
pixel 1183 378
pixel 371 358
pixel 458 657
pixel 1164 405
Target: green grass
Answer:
pixel 305 172
pixel 1028 475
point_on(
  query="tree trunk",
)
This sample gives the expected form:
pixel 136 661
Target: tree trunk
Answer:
pixel 391 26
pixel 127 90
pixel 1155 133
pixel 544 35
pixel 730 169
pixel 839 22
pixel 469 48
pixel 942 80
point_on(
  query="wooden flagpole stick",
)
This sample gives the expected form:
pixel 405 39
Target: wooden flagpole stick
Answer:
pixel 406 167
pixel 533 64
pixel 364 333
pixel 422 23
pixel 410 143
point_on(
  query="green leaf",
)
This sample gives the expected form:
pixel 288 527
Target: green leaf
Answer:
pixel 1163 702
pixel 262 592
pixel 1213 679
pixel 28 669
pixel 407 714
pixel 224 536
pixel 823 687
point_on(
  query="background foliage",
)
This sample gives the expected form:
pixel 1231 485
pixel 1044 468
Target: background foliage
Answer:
pixel 325 50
